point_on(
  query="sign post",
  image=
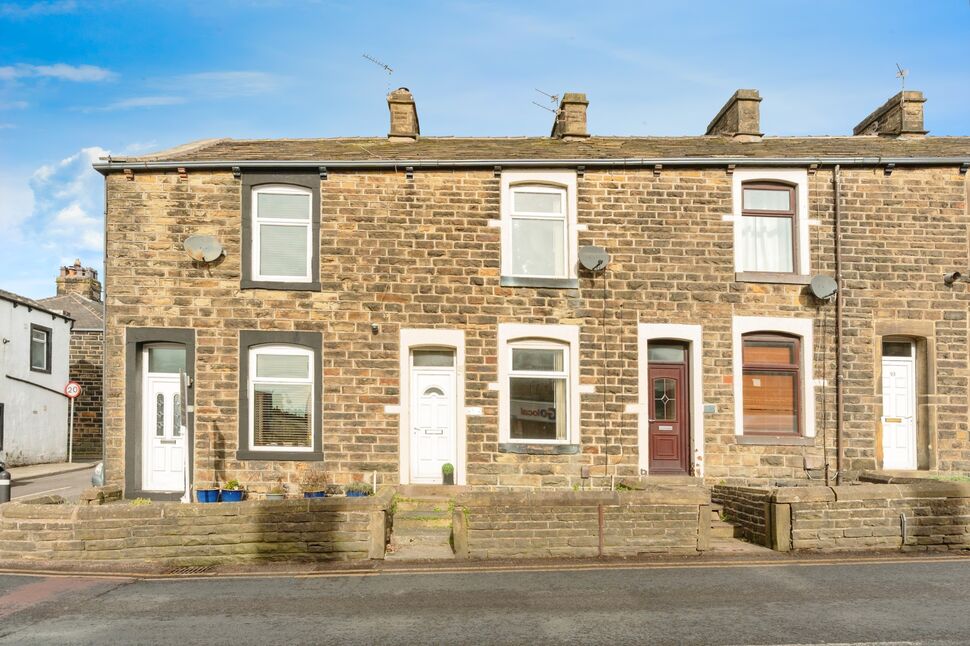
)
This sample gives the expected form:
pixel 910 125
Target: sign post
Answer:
pixel 72 390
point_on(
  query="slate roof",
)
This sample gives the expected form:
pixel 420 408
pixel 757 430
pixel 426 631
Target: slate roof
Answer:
pixel 546 148
pixel 29 302
pixel 87 314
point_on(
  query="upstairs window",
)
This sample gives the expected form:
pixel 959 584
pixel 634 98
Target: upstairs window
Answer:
pixel 281 398
pixel 40 348
pixel 768 233
pixel 771 384
pixel 282 234
pixel 539 230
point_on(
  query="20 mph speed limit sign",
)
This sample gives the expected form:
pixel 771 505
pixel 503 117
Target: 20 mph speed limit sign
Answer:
pixel 72 389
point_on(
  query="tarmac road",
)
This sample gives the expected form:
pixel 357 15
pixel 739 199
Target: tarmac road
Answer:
pixel 67 485
pixel 912 601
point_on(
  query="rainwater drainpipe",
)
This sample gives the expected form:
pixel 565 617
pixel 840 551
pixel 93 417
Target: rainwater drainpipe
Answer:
pixel 839 294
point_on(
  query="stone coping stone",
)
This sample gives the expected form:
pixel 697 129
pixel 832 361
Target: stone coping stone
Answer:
pixel 869 491
pixel 694 495
pixel 248 508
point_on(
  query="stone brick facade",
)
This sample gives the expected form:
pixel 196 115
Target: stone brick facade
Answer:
pixel 87 361
pixel 584 524
pixel 176 534
pixel 418 249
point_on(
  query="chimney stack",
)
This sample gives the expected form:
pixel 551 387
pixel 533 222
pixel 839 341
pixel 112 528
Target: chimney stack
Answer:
pixel 900 116
pixel 79 280
pixel 740 118
pixel 570 124
pixel 404 116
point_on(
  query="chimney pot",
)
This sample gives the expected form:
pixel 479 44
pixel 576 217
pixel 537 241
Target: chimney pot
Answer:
pixel 740 118
pixel 75 279
pixel 901 116
pixel 404 116
pixel 570 123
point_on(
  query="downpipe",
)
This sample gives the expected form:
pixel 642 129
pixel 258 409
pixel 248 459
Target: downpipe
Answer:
pixel 839 404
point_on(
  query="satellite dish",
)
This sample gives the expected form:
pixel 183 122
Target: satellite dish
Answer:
pixel 593 258
pixel 203 248
pixel 823 287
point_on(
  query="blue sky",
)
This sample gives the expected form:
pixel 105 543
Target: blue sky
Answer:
pixel 79 79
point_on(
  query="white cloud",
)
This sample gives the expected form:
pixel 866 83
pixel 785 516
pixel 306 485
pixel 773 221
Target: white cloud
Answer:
pixel 68 204
pixel 17 203
pixel 225 84
pixel 31 9
pixel 138 102
pixel 60 71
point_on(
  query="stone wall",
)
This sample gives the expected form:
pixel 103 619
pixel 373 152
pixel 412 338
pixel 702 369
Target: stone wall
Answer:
pixel 175 534
pixel 581 524
pixel 747 508
pixel 87 361
pixel 422 253
pixel 924 516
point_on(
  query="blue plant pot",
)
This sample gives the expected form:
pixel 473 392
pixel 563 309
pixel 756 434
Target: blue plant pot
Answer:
pixel 356 494
pixel 234 495
pixel 314 494
pixel 207 495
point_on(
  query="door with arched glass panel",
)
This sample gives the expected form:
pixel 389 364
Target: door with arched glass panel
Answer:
pixel 669 432
pixel 163 440
pixel 433 413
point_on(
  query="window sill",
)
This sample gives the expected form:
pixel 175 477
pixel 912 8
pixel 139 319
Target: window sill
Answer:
pixel 548 283
pixel 771 277
pixel 538 449
pixel 774 440
pixel 279 456
pixel 282 286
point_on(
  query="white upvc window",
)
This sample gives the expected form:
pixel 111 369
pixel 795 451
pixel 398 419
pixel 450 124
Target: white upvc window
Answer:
pixel 539 224
pixel 771 221
pixel 282 234
pixel 281 405
pixel 539 373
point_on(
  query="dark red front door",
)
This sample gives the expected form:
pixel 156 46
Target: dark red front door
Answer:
pixel 669 423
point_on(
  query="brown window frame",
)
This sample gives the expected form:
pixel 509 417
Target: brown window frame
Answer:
pixel 791 213
pixel 794 368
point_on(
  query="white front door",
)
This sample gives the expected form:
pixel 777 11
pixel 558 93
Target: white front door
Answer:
pixel 163 439
pixel 899 412
pixel 432 415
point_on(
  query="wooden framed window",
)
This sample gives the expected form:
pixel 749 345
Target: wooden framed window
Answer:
pixel 40 348
pixel 281 387
pixel 771 384
pixel 769 230
pixel 282 234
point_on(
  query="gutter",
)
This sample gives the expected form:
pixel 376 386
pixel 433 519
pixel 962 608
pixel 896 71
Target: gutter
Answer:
pixel 105 167
pixel 31 307
pixel 36 385
pixel 839 297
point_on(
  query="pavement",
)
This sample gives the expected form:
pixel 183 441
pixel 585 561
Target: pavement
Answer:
pixel 902 600
pixel 63 479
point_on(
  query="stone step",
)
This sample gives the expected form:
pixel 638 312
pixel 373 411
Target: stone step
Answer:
pixel 721 529
pixel 425 491
pixel 420 552
pixel 421 519
pixel 422 504
pixel 421 533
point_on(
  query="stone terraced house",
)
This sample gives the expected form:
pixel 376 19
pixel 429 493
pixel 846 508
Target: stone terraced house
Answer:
pixel 540 312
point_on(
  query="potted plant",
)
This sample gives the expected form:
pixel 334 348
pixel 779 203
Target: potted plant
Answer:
pixel 314 484
pixel 277 491
pixel 448 473
pixel 358 489
pixel 207 493
pixel 232 491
